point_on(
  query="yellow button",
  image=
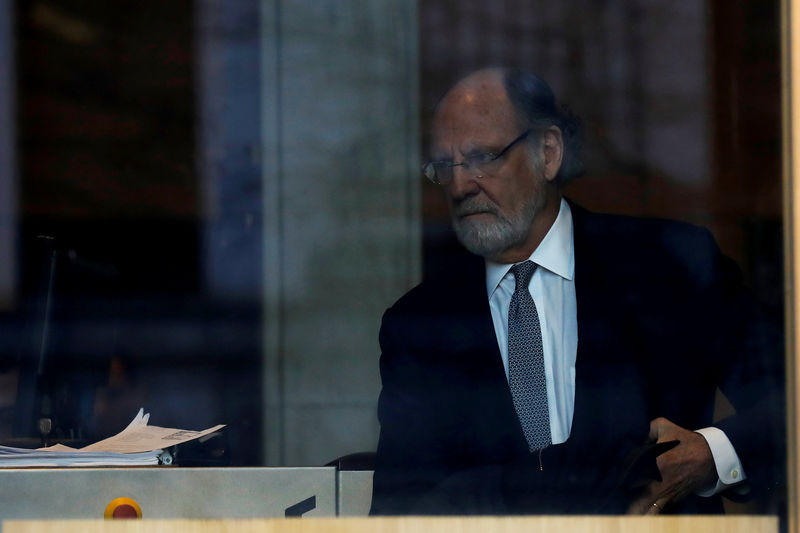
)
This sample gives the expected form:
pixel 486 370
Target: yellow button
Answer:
pixel 735 474
pixel 123 508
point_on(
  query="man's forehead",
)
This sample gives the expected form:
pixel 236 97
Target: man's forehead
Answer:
pixel 467 115
pixel 477 107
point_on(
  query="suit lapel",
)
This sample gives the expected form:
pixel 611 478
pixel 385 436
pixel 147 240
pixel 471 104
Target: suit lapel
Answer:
pixel 608 379
pixel 496 427
pixel 586 302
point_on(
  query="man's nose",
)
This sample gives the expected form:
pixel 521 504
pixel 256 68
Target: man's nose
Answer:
pixel 464 183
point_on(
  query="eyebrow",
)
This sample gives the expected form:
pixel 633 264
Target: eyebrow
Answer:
pixel 476 150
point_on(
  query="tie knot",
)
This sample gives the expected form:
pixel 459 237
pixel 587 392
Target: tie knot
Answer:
pixel 522 273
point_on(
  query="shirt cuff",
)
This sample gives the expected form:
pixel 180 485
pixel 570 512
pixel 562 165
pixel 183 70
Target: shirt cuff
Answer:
pixel 729 467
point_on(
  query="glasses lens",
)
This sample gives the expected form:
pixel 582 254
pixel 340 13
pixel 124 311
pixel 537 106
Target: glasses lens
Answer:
pixel 438 173
pixel 484 162
pixel 430 171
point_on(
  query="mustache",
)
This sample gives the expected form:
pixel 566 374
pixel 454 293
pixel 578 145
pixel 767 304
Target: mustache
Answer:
pixel 470 206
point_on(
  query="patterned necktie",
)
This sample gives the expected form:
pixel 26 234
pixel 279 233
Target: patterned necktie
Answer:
pixel 526 361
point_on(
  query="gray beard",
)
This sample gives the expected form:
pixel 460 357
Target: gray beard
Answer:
pixel 490 238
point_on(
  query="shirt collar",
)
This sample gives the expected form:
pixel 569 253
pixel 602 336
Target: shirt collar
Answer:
pixel 555 253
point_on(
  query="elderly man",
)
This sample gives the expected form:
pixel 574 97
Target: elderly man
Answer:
pixel 570 364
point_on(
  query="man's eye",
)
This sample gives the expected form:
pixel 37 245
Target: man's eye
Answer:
pixel 482 159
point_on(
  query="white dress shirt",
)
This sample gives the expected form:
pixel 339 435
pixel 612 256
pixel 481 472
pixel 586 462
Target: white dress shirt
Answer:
pixel 552 287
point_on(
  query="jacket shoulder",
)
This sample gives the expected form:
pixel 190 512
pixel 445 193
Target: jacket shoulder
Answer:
pixel 659 246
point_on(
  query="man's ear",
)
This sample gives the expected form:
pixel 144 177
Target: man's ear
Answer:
pixel 553 148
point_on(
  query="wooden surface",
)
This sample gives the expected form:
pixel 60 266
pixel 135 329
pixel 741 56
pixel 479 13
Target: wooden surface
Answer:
pixel 790 47
pixel 548 524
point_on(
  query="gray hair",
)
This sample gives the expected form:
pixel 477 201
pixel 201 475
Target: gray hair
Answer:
pixel 535 106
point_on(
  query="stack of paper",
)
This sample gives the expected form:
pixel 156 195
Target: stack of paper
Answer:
pixel 136 445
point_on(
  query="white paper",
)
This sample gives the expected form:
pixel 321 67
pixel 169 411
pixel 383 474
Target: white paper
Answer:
pixel 140 437
pixel 138 444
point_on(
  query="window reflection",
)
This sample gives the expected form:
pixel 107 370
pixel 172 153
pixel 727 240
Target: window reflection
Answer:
pixel 206 206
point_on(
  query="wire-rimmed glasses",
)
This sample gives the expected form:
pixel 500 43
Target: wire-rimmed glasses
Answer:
pixel 441 172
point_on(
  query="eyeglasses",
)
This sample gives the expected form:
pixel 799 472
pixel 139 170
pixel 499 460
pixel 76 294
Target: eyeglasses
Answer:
pixel 441 172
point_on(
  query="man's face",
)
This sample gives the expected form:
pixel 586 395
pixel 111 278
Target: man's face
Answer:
pixel 491 212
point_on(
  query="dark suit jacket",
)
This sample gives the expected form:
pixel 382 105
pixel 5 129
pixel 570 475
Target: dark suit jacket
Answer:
pixel 663 320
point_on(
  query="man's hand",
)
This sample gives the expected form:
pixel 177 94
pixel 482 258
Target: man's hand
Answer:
pixel 686 468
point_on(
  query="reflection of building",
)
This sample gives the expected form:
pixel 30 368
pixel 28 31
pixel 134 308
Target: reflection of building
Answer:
pixel 250 168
